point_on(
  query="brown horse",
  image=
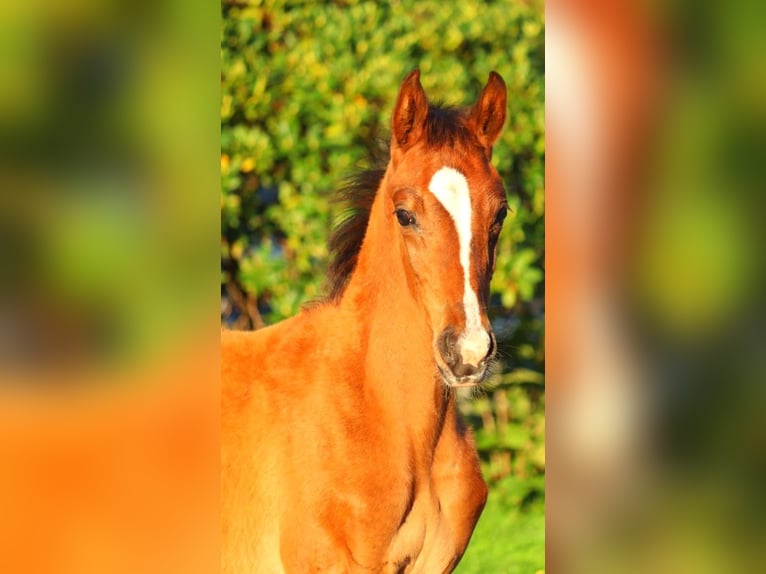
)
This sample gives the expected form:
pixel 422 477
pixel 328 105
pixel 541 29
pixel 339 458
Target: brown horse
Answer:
pixel 342 449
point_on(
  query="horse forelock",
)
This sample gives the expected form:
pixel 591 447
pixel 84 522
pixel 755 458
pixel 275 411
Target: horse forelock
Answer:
pixel 446 126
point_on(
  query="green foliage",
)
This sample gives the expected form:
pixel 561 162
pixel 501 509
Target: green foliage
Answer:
pixel 307 92
pixel 507 539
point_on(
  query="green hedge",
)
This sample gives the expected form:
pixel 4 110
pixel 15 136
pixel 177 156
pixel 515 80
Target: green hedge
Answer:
pixel 307 92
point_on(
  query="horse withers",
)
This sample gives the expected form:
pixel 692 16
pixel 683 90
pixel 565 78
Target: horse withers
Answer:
pixel 342 448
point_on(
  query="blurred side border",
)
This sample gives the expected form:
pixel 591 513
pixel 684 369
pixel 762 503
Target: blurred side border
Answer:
pixel 109 184
pixel 655 121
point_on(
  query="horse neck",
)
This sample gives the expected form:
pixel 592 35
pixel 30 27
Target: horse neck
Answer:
pixel 396 338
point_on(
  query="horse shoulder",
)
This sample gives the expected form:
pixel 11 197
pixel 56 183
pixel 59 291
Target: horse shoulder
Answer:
pixel 446 505
pixel 458 484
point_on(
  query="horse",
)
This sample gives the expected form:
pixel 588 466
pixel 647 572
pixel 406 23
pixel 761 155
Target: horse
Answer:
pixel 341 446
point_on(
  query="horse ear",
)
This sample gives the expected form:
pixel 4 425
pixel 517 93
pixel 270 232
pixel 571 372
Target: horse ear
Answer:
pixel 410 112
pixel 488 113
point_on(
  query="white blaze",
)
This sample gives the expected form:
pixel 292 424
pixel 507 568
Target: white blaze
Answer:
pixel 450 187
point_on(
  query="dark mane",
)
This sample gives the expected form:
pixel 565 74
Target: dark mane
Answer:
pixel 445 126
pixel 357 195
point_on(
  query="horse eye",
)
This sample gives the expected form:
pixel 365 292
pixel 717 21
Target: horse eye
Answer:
pixel 405 218
pixel 500 217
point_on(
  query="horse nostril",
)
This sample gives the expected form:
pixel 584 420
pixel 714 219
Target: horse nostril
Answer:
pixel 492 349
pixel 448 347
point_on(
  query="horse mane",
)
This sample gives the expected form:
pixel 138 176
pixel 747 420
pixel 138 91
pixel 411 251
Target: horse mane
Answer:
pixel 356 195
pixel 445 126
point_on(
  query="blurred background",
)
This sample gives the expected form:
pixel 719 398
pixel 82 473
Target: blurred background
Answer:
pixel 656 132
pixel 109 139
pixel 307 95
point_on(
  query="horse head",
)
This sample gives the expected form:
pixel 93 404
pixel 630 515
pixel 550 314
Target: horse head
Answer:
pixel 445 206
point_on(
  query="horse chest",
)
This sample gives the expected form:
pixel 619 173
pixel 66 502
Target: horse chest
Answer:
pixel 387 526
pixel 422 543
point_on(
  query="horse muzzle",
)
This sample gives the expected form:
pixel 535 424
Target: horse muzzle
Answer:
pixel 463 359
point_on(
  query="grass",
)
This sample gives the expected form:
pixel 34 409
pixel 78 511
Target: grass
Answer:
pixel 510 537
